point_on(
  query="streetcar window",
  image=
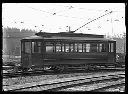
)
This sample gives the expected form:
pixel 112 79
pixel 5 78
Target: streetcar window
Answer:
pixel 97 47
pixel 102 47
pixel 22 46
pixel 36 47
pixel 39 44
pixel 27 47
pixel 62 45
pixel 76 47
pixel 93 47
pixel 49 47
pixel 87 47
pixel 111 47
pixel 58 47
pixel 84 47
pixel 66 47
pixel 80 47
pixel 39 47
pixel 71 48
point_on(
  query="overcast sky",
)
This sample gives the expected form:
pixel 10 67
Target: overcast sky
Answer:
pixel 55 17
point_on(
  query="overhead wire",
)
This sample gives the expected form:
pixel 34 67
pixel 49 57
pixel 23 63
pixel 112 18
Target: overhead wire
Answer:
pixel 56 13
pixel 21 22
pixel 87 9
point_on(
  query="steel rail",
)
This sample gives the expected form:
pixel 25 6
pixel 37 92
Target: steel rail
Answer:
pixel 19 73
pixel 108 86
pixel 60 83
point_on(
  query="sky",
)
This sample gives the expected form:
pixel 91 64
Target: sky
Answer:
pixel 57 17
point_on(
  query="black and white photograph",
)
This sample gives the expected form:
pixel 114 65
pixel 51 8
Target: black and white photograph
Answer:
pixel 63 47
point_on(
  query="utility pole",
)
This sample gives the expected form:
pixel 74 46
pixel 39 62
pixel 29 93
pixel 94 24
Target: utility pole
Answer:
pixel 112 26
pixel 69 28
pixel 124 38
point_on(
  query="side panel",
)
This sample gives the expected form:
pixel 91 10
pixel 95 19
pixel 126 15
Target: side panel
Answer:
pixel 75 58
pixel 43 58
pixel 25 60
pixel 37 59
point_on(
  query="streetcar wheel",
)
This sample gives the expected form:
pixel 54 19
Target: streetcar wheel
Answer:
pixel 57 69
pixel 24 70
pixel 61 68
pixel 14 70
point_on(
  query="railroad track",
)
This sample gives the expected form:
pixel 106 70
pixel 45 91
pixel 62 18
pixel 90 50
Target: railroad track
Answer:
pixel 29 73
pixel 112 85
pixel 35 73
pixel 8 74
pixel 65 83
pixel 98 85
pixel 116 88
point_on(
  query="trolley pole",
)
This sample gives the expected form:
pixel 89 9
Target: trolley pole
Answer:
pixel 69 28
pixel 112 26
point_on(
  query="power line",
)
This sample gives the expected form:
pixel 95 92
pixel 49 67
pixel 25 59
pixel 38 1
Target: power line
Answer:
pixel 54 13
pixel 38 9
pixel 87 9
pixel 70 7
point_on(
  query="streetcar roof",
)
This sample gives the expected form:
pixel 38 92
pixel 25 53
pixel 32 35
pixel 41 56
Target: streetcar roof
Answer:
pixel 65 38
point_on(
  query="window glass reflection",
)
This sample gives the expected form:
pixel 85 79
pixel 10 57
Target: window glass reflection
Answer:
pixel 27 47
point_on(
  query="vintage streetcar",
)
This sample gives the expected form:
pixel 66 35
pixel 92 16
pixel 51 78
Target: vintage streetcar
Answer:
pixel 68 50
pixel 65 50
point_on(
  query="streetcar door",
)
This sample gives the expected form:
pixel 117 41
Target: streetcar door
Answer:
pixel 26 53
pixel 36 55
pixel 112 51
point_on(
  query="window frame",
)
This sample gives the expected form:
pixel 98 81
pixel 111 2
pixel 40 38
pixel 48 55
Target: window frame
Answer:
pixel 60 47
pixel 93 48
pixel 111 47
pixel 80 47
pixel 67 47
pixel 28 48
pixel 73 47
pixel 53 47
pixel 22 46
pixel 36 47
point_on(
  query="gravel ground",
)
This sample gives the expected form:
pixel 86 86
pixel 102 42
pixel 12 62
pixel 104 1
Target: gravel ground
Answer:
pixel 30 79
pixel 95 86
pixel 116 89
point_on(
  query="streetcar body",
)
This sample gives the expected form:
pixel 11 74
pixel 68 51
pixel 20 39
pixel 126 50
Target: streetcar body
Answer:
pixel 67 49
